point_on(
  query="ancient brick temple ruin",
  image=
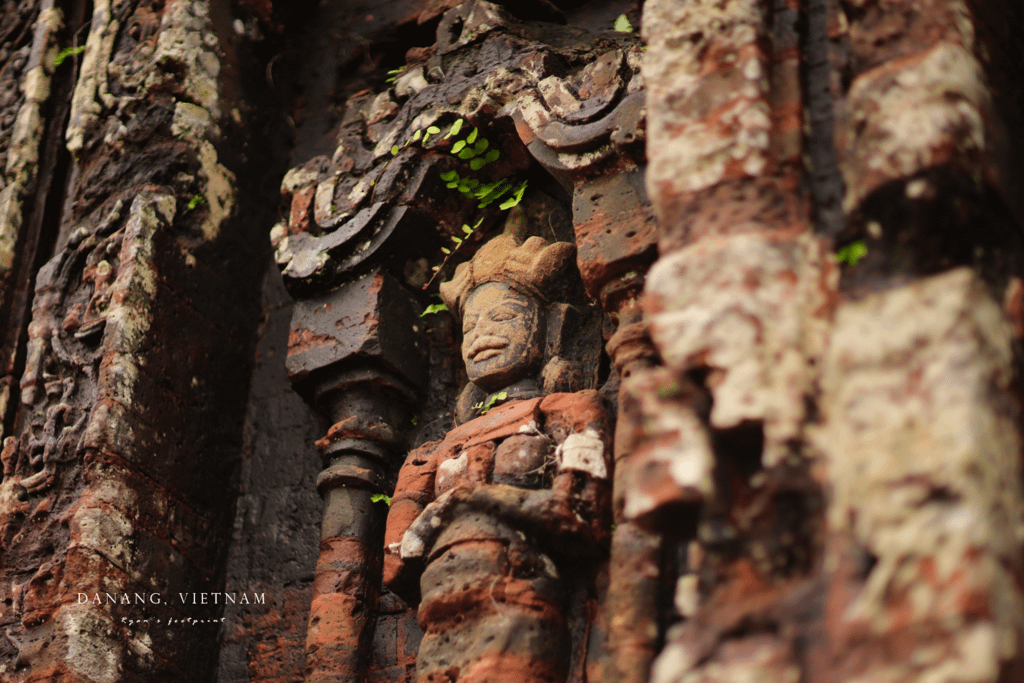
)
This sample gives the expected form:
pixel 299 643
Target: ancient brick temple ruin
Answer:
pixel 562 341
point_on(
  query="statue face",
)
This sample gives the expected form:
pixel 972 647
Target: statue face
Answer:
pixel 502 336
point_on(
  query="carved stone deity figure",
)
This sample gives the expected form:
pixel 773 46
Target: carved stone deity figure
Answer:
pixel 483 523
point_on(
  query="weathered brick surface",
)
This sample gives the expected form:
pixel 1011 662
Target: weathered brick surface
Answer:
pixel 813 470
pixel 920 449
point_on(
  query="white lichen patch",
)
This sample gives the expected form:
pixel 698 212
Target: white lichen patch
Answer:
pixel 412 545
pixel 94 649
pixel 450 472
pixel 673 662
pixel 747 659
pixel 748 308
pixel 187 38
pixel 190 121
pixel 298 178
pixel 922 456
pixel 583 452
pixel 10 224
pixel 91 90
pixel 106 531
pixel 219 191
pixel 707 95
pixel 323 201
pixel 26 135
pixel 410 82
pixel 908 117
pixel 687 595
pixel 127 319
pixel 674 441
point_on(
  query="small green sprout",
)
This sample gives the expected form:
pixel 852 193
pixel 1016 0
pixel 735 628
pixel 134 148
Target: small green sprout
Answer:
pixel 381 498
pixel 669 390
pixel 622 24
pixel 67 52
pixel 484 407
pixel 196 200
pixel 433 308
pixel 394 74
pixel 414 421
pixel 852 252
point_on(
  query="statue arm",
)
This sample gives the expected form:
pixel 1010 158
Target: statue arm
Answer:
pixel 413 493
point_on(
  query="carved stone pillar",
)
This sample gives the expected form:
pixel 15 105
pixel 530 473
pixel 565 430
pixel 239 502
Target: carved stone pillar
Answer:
pixel 355 354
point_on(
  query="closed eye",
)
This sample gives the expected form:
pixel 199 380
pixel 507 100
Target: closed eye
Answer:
pixel 503 314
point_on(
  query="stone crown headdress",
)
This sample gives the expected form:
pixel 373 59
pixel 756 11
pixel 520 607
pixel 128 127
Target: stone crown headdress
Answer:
pixel 531 268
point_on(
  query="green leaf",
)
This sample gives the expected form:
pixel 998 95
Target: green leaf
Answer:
pixel 467 154
pixel 477 164
pixel 67 52
pixel 433 308
pixel 471 138
pixel 457 240
pixel 467 230
pixel 488 194
pixel 492 155
pixel 622 24
pixel 515 199
pixel 196 200
pixel 449 176
pixel 452 185
pixel 490 188
pixel 852 252
pixel 446 250
pixel 433 130
pixel 481 146
pixel 380 498
pixel 394 149
pixel 457 147
pixel 416 135
pixel 454 130
pixel 473 183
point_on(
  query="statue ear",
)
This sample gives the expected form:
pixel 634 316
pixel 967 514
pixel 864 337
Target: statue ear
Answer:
pixel 572 349
pixel 561 319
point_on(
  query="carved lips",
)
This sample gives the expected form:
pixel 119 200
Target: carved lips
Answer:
pixel 487 347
